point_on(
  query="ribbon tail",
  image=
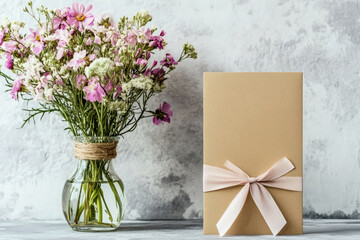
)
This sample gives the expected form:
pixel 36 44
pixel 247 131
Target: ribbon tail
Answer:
pixel 232 211
pixel 268 208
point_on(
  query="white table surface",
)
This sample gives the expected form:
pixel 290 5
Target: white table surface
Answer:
pixel 183 230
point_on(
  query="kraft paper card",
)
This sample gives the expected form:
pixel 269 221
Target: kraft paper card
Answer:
pixel 253 153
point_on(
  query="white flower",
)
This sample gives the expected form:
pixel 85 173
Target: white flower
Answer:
pixel 99 67
pixel 140 82
pixel 33 67
pixel 119 106
pixel 49 93
pixel 16 25
pixel 144 15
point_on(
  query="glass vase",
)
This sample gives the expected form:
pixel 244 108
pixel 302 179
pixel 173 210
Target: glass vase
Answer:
pixel 93 197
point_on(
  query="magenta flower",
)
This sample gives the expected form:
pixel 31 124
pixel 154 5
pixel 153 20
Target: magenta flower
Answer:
pixel 159 74
pixel 162 114
pixel 9 63
pixel 147 72
pixel 168 61
pixel 80 17
pixel 94 92
pixel 2 35
pixel 154 63
pixel 157 41
pixel 16 88
pixel 37 39
pixel 118 91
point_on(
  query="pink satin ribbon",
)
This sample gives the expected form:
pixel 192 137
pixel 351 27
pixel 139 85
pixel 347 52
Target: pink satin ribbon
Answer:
pixel 218 178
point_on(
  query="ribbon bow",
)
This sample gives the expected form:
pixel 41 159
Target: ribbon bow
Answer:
pixel 218 178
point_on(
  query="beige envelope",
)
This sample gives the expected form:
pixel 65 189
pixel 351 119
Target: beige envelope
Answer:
pixel 253 120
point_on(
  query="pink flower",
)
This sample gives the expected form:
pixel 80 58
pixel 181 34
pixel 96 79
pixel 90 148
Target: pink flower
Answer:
pixel 80 17
pixel 91 57
pixel 108 87
pixel 130 39
pixel 63 37
pixel 59 22
pixel 9 63
pixel 60 49
pixel 37 39
pixel 97 40
pixel 2 35
pixel 60 53
pixel 59 82
pixel 162 114
pixel 16 88
pixel 143 34
pixel 168 61
pixel 78 60
pixel 94 92
pixel 141 61
pixel 80 80
pixel 89 41
pixel 10 46
pixel 111 36
pixel 138 52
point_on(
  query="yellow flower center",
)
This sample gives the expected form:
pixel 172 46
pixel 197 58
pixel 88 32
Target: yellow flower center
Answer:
pixel 80 17
pixel 37 37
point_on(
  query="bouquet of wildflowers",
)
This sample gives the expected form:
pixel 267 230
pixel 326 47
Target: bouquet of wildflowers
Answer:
pixel 97 75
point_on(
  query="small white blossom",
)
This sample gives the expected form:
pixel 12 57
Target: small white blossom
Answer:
pixel 140 82
pixel 99 67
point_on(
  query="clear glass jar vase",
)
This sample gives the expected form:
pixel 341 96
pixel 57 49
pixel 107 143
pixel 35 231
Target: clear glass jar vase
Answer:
pixel 93 197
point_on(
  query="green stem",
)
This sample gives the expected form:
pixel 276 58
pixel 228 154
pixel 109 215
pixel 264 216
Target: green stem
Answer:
pixel 106 206
pixel 78 213
pixel 87 203
pixel 99 208
pixel 99 118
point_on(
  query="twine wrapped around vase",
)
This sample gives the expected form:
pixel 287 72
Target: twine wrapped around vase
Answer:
pixel 95 151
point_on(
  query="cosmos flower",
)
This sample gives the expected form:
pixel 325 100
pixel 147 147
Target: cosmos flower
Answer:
pixel 37 39
pixel 80 17
pixel 162 114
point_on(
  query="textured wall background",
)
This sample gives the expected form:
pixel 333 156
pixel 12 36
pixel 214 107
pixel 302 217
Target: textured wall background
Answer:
pixel 162 166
